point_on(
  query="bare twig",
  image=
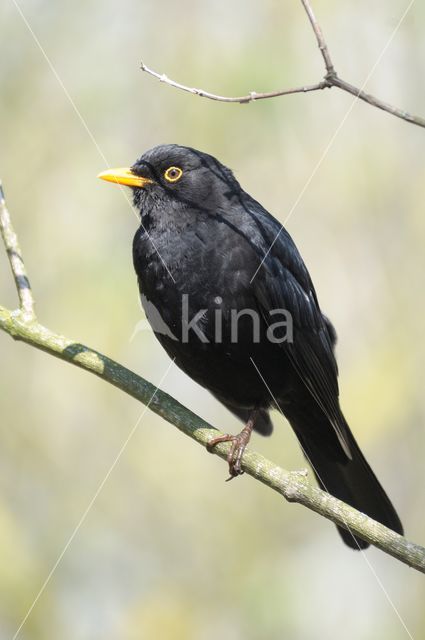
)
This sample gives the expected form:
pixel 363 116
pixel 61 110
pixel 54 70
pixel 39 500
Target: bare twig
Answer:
pixel 293 486
pixel 331 79
pixel 319 37
pixel 26 300
pixel 376 102
pixel 250 97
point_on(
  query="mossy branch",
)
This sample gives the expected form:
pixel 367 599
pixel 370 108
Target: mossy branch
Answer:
pixel 22 324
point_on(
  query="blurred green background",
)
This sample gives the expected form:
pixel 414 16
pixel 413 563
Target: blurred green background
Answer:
pixel 169 550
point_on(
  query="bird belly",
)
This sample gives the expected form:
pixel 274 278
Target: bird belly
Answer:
pixel 219 341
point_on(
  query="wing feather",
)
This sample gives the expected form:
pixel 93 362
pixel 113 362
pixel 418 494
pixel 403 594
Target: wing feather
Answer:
pixel 288 285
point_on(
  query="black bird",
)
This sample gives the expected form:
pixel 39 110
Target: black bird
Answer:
pixel 230 299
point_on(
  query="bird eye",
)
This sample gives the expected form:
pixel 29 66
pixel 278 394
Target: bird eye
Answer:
pixel 173 174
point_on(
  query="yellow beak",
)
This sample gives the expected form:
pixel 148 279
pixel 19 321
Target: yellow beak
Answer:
pixel 124 176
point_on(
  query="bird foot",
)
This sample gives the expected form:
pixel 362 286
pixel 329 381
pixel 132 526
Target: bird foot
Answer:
pixel 239 443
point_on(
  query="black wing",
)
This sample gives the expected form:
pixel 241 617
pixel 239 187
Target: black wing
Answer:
pixel 283 282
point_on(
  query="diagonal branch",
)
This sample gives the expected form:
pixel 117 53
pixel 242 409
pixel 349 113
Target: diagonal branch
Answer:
pixel 330 79
pixel 293 486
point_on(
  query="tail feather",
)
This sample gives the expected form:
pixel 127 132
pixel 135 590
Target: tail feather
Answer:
pixel 352 481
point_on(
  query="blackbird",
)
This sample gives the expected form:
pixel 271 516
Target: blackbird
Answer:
pixel 231 301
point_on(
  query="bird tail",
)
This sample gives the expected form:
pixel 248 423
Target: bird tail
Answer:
pixel 351 480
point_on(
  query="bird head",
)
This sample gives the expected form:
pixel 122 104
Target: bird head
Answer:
pixel 178 174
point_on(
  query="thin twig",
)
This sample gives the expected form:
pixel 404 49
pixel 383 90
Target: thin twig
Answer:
pixel 23 287
pixel 293 486
pixel 250 97
pixel 319 37
pixel 376 102
pixel 331 79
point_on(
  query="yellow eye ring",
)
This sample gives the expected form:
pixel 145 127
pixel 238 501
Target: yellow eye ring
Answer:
pixel 173 174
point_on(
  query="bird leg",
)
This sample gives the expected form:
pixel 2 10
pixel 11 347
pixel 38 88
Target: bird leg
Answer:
pixel 239 443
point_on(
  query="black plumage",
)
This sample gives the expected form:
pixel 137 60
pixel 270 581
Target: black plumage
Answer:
pixel 206 250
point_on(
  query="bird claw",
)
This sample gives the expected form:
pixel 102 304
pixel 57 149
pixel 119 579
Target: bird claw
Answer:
pixel 212 443
pixel 237 449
